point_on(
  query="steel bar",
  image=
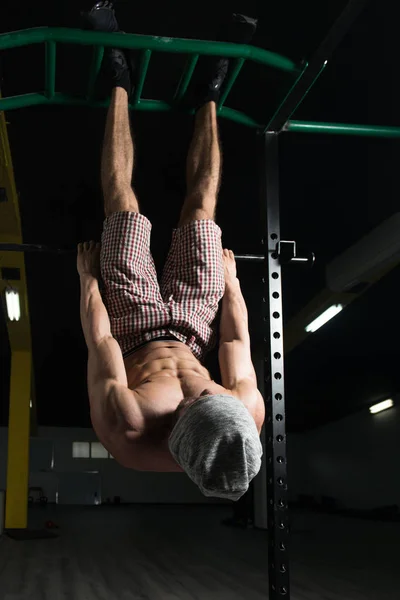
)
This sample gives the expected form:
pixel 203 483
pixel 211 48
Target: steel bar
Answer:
pixel 186 77
pixel 275 424
pixel 65 35
pixel 51 249
pixel 144 65
pixel 342 129
pixel 145 104
pixel 234 72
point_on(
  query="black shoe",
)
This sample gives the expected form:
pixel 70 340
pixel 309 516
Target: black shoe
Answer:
pixel 211 70
pixel 101 18
pixel 118 67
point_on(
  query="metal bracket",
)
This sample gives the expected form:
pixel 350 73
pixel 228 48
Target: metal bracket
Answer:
pixel 287 254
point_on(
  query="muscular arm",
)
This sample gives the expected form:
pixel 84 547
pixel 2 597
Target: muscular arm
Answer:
pixel 237 370
pixel 110 398
pixel 94 316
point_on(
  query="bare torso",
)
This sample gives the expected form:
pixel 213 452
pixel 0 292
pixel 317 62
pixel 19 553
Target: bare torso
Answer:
pixel 160 375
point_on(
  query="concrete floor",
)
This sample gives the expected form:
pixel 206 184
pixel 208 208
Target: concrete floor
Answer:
pixel 184 553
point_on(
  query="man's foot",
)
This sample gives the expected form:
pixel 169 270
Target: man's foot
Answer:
pixel 101 18
pixel 118 66
pixel 212 70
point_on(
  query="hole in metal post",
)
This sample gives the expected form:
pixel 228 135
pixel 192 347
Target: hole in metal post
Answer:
pixel 276 315
pixel 279 438
pixel 280 459
pixel 275 295
pixel 276 334
pixel 282 568
pixel 279 417
pixel 278 376
pixel 280 480
pixel 281 503
pixel 278 396
pixel 283 591
pixel 275 275
pixel 277 355
pixel 274 236
pixel 274 255
pixel 282 547
pixel 281 525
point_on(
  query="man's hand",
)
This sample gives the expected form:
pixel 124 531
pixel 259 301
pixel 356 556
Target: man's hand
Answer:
pixel 88 261
pixel 229 266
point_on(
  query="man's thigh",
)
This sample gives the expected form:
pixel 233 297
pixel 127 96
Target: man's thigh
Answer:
pixel 131 290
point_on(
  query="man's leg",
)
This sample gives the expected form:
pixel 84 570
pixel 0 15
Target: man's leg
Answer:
pixel 203 168
pixel 118 157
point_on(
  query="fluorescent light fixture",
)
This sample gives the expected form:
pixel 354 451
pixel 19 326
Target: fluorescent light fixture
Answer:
pixel 381 406
pixel 13 306
pixel 331 312
pixel 30 403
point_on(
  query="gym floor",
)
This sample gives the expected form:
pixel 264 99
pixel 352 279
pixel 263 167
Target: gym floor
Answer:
pixel 154 552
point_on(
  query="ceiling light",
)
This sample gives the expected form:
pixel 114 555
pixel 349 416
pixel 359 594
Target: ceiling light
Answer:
pixel 331 312
pixel 13 305
pixel 381 406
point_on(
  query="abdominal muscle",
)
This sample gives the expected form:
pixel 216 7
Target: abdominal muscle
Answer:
pixel 160 374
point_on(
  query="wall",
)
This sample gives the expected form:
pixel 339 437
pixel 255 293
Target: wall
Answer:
pixel 113 480
pixel 354 460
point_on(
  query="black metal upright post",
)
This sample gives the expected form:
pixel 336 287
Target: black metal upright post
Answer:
pixel 275 428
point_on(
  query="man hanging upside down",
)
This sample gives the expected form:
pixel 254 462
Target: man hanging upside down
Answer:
pixel 153 404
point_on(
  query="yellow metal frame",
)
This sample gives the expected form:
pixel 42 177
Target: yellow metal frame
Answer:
pixel 19 334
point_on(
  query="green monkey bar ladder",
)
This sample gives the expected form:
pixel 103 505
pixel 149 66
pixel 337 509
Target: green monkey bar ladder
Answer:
pixel 147 44
pixel 275 251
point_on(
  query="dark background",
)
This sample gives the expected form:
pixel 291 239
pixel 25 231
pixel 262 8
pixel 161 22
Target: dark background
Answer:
pixel 333 191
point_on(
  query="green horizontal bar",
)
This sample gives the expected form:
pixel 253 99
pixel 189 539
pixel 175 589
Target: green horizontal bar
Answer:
pixel 144 42
pixel 342 129
pixel 144 65
pixel 144 105
pixel 24 100
pixel 98 53
pixel 186 77
pixel 230 81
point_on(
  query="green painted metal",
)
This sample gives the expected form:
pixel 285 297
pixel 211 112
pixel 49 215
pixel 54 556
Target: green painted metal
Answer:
pixel 194 48
pixel 230 81
pixel 50 79
pixel 186 77
pixel 292 88
pixel 98 53
pixel 311 86
pixel 144 42
pixel 144 104
pixel 342 129
pixel 144 65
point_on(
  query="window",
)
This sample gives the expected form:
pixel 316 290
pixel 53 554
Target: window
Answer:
pixel 89 450
pixel 80 450
pixel 98 450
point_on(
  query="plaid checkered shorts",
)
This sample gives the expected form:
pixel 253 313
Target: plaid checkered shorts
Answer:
pixel 184 305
